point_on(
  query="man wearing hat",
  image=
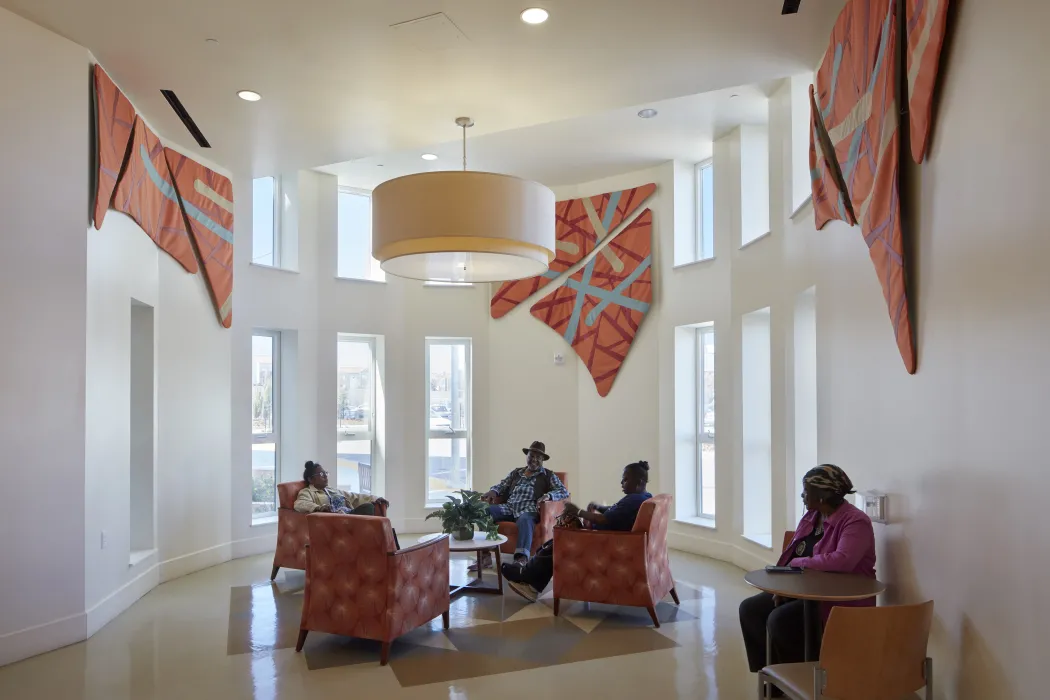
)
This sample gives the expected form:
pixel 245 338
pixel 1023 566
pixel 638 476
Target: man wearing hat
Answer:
pixel 517 498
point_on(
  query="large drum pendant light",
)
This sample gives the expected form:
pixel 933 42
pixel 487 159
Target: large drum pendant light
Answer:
pixel 454 226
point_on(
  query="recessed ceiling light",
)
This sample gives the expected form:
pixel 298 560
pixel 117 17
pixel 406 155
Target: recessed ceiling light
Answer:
pixel 249 95
pixel 647 113
pixel 534 15
pixel 429 156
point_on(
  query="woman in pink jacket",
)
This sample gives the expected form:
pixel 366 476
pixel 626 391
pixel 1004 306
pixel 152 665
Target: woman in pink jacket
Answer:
pixel 833 535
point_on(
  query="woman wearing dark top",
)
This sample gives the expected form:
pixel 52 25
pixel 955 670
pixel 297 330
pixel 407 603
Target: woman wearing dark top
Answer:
pixel 530 579
pixel 833 535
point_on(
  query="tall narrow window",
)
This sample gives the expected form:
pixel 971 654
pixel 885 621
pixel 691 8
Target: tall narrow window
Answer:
pixel 757 426
pixel 805 391
pixel 266 372
pixel 694 420
pixel 355 237
pixel 448 412
pixel 355 412
pixel 266 249
pixel 705 211
pixel 705 429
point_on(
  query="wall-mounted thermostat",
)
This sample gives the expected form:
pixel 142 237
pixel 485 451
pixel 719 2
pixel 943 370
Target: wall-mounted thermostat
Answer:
pixel 559 359
pixel 873 504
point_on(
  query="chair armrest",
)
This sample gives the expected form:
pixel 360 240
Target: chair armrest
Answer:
pixel 549 512
pixel 417 547
pixel 380 510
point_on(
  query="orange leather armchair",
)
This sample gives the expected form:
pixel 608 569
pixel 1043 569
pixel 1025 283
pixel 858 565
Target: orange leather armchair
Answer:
pixel 358 584
pixel 617 568
pixel 292 537
pixel 549 512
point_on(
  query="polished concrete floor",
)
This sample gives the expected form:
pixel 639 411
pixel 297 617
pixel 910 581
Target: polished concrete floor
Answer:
pixel 227 632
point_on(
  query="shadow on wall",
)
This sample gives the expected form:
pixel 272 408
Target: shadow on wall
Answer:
pixel 931 537
pixel 980 675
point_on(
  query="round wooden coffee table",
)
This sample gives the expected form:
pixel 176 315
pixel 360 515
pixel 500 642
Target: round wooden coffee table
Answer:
pixel 480 545
pixel 810 586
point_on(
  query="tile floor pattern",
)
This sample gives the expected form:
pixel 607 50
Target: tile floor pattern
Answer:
pixel 227 632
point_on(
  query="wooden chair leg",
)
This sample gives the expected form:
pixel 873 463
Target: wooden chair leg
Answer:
pixel 674 597
pixel 652 614
pixel 557 606
pixel 273 574
pixel 444 619
pixel 384 654
pixel 302 639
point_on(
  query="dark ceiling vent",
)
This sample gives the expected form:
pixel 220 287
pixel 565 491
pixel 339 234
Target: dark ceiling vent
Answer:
pixel 187 120
pixel 790 7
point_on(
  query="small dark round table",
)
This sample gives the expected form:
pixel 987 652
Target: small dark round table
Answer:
pixel 810 586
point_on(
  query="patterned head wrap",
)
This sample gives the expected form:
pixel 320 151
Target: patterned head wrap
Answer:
pixel 828 477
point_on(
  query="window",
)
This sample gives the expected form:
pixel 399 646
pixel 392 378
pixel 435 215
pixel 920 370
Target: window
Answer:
pixel 355 412
pixel 805 392
pixel 801 187
pixel 754 183
pixel 266 249
pixel 447 416
pixel 705 212
pixel 266 401
pixel 757 423
pixel 355 237
pixel 695 421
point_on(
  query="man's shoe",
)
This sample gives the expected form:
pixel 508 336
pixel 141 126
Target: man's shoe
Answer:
pixel 524 590
pixel 512 572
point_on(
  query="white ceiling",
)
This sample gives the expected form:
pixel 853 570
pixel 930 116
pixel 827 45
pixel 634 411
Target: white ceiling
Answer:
pixel 339 84
pixel 580 149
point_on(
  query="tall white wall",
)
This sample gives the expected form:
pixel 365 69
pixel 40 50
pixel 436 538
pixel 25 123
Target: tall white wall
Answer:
pixel 44 205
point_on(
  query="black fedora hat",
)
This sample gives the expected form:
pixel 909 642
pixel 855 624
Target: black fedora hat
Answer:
pixel 537 446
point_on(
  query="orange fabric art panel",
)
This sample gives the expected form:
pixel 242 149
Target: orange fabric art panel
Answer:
pixel 927 23
pixel 146 194
pixel 579 225
pixel 600 308
pixel 856 98
pixel 207 202
pixel 115 118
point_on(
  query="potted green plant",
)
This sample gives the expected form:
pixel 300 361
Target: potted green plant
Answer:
pixel 462 513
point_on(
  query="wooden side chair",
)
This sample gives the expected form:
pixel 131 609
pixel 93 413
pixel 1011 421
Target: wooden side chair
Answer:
pixel 867 654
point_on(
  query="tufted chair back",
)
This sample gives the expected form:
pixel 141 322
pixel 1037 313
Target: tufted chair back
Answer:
pixel 358 584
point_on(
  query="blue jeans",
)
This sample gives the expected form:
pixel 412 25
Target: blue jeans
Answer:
pixel 526 523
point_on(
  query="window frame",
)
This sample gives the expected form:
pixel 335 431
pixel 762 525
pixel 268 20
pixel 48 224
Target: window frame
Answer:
pixel 359 192
pixel 698 223
pixel 369 434
pixel 274 436
pixel 700 394
pixel 276 205
pixel 452 433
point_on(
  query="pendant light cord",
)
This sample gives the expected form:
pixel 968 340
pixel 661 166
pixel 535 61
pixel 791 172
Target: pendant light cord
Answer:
pixel 464 148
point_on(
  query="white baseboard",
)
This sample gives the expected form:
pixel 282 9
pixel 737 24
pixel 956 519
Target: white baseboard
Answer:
pixel 107 609
pixel 49 636
pixel 22 644
pixel 177 567
pixel 252 546
pixel 698 543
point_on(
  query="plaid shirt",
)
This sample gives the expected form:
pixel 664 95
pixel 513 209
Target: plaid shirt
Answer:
pixel 522 499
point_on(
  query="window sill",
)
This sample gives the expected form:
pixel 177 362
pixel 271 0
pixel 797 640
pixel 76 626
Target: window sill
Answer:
pixel 273 267
pixel 270 520
pixel 699 521
pixel 680 266
pixel 807 202
pixel 140 555
pixel 756 239
pixel 764 541
pixel 359 279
